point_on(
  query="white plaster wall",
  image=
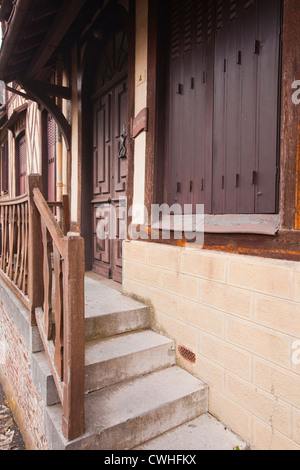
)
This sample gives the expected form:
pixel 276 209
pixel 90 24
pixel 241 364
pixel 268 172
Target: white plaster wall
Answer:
pixel 140 103
pixel 74 146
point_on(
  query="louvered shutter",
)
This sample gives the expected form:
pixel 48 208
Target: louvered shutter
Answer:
pixel 51 141
pixel 22 165
pixel 223 100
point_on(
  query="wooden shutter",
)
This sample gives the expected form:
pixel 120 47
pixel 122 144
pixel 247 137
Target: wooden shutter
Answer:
pixel 223 103
pixel 51 140
pixel 21 166
pixel 4 167
pixel 246 98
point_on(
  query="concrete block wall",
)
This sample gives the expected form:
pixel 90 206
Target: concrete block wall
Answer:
pixel 240 316
pixel 17 342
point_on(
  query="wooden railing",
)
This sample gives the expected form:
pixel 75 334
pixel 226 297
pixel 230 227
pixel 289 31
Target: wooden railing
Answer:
pixel 48 266
pixel 14 216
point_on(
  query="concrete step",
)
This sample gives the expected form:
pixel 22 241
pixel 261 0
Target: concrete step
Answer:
pixel 109 313
pixel 110 361
pixel 202 433
pixel 125 357
pixel 124 416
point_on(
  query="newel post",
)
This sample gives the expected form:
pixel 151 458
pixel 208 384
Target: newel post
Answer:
pixel 74 337
pixel 35 250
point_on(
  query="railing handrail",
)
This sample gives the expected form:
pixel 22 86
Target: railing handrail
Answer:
pixel 14 215
pixel 66 355
pixel 14 201
pixel 35 251
pixel 49 219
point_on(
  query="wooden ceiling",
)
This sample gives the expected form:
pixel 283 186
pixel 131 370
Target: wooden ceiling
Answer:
pixel 46 29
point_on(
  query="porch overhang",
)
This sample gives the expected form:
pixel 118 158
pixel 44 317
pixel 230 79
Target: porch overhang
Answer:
pixel 37 32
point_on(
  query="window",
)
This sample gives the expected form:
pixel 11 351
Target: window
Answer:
pixel 21 165
pixel 223 105
pixel 4 168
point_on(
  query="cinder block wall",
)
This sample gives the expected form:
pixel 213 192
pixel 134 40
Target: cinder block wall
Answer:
pixel 240 315
pixel 17 341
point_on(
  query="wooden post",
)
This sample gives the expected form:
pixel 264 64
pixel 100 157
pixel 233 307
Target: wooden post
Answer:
pixel 74 337
pixel 65 214
pixel 35 250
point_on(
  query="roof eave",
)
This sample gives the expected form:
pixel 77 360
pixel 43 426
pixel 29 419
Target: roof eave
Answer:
pixel 18 19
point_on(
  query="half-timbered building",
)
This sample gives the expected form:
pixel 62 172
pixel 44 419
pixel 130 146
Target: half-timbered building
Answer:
pixel 118 110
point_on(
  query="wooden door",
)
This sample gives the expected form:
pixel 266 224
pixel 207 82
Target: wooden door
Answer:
pixel 110 175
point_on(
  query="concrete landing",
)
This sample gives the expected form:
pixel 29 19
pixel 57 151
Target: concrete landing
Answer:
pixel 108 312
pixel 203 433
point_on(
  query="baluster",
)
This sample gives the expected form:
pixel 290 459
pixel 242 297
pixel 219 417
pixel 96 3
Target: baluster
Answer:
pixel 4 234
pixel 12 210
pixel 47 275
pixel 22 233
pixel 58 312
pixel 25 271
pixel 17 265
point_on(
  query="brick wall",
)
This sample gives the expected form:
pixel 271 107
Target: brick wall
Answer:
pixel 241 317
pixel 15 377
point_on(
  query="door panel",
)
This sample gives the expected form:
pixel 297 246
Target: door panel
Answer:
pixel 102 146
pixel 102 252
pixel 110 176
pixel 119 155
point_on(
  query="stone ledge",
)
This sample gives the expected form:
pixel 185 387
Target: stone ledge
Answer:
pixel 19 315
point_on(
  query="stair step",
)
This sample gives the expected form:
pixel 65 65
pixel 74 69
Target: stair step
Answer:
pixel 109 312
pixel 126 415
pixel 110 361
pixel 202 433
pixel 124 357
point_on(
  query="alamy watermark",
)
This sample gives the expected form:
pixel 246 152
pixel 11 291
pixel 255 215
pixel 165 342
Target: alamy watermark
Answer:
pixel 296 94
pixel 183 222
pixel 296 353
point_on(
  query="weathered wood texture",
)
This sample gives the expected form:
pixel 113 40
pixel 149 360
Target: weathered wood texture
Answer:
pixel 62 320
pixel 290 157
pixel 44 265
pixel 14 245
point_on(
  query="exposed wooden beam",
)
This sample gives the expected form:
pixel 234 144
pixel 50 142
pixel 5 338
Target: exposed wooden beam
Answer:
pixel 63 20
pixel 19 93
pixel 49 88
pixel 48 103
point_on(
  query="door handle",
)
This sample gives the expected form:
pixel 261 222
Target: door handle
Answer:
pixel 123 137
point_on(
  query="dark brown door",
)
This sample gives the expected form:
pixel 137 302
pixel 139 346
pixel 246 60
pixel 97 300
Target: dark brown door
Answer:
pixel 110 174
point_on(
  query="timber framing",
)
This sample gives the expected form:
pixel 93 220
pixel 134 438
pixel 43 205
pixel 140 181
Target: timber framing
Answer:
pixel 43 98
pixel 49 88
pixel 63 20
